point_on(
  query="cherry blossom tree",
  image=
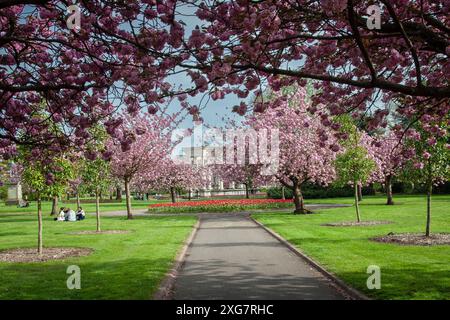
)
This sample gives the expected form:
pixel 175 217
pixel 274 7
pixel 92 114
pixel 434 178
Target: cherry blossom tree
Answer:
pixel 393 155
pixel 125 51
pixel 174 176
pixel 431 164
pixel 143 145
pixel 307 146
pixel 246 174
pixel 120 55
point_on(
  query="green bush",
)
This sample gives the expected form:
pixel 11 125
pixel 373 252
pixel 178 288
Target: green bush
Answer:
pixel 3 192
pixel 275 193
pixel 312 191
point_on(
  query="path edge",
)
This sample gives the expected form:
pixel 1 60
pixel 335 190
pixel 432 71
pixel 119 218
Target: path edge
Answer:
pixel 165 289
pixel 350 291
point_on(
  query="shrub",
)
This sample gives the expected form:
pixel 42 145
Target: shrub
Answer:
pixel 311 191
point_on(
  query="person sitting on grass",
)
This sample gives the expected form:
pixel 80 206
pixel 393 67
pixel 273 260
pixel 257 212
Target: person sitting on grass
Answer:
pixel 61 215
pixel 70 215
pixel 80 214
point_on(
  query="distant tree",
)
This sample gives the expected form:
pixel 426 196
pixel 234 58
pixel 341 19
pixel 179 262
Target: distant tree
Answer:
pixel 177 176
pixel 431 165
pixel 392 155
pixel 307 146
pixel 96 178
pixel 46 178
pixel 355 165
pixel 143 145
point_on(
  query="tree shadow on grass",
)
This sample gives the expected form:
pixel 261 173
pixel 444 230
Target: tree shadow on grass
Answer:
pixel 113 279
pixel 222 279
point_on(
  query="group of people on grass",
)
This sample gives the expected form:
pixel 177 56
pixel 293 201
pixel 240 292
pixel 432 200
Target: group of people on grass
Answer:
pixel 67 214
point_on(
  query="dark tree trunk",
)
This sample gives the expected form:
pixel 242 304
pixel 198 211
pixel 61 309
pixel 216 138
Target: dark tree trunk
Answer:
pixel 247 195
pixel 39 212
pixel 78 201
pixel 429 191
pixel 283 195
pixel 119 193
pixel 358 218
pixel 388 186
pixel 173 195
pixel 54 206
pixel 360 197
pixel 298 199
pixel 97 210
pixel 128 198
pixel 190 195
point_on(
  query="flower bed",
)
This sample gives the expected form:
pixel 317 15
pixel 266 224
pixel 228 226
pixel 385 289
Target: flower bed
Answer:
pixel 224 205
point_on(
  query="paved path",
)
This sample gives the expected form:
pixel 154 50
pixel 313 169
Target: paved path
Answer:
pixel 233 258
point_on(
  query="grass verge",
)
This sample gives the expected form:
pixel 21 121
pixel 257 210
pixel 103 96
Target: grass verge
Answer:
pixel 122 266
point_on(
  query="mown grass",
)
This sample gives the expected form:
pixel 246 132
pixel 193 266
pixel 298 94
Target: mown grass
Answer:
pixel 407 272
pixel 122 266
pixel 88 207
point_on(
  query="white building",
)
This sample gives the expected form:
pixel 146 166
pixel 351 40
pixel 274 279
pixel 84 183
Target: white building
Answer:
pixel 204 156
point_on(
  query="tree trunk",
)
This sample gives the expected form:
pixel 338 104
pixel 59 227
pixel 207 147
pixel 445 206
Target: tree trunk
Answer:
pixel 119 193
pixel 247 195
pixel 358 218
pixel 429 191
pixel 172 194
pixel 54 206
pixel 283 195
pixel 298 199
pixel 190 195
pixel 128 198
pixel 388 186
pixel 39 208
pixel 360 193
pixel 78 201
pixel 97 210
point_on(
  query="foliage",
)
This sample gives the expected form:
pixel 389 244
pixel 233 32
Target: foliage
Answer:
pixel 48 179
pixel 96 176
pixel 355 164
pixel 311 191
pixel 431 143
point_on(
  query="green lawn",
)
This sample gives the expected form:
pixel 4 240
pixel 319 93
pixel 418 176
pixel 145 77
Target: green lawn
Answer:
pixel 407 272
pixel 88 207
pixel 123 266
